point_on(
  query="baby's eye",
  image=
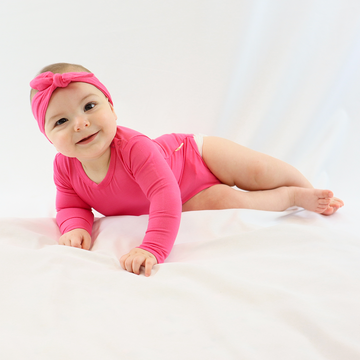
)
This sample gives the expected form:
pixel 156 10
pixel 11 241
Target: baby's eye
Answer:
pixel 60 122
pixel 89 106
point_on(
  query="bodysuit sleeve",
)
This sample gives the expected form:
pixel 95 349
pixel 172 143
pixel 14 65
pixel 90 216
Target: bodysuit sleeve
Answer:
pixel 154 176
pixel 72 211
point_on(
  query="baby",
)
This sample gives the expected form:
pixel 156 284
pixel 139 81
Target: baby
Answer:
pixel 119 171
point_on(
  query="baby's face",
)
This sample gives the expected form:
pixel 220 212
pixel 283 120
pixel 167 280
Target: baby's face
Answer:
pixel 80 121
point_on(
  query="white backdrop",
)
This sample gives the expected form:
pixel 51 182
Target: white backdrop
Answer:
pixel 279 76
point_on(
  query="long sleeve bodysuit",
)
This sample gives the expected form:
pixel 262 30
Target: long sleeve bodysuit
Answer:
pixel 145 176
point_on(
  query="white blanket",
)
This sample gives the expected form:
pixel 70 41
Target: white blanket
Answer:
pixel 238 284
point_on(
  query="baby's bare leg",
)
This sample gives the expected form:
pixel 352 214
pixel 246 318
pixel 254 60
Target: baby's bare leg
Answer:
pixel 272 184
pixel 222 196
pixel 234 164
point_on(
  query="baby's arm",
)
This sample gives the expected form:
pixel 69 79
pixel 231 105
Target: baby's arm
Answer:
pixel 156 179
pixel 74 216
pixel 79 238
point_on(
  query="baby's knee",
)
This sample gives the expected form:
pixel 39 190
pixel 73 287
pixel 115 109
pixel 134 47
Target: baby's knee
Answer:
pixel 215 197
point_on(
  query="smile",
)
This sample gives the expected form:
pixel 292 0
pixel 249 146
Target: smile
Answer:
pixel 87 139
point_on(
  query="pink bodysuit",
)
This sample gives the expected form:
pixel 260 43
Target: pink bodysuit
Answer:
pixel 145 176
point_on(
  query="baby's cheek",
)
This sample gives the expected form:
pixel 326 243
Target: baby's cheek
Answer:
pixel 63 145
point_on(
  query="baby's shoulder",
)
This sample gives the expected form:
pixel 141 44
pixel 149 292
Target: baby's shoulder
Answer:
pixel 62 163
pixel 123 132
pixel 125 136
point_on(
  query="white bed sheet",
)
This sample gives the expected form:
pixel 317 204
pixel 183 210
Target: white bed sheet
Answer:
pixel 239 284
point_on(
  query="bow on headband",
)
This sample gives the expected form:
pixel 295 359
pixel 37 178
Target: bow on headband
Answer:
pixel 46 83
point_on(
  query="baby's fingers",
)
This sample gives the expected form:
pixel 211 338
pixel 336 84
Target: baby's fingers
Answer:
pixel 78 238
pixel 149 263
pixel 64 241
pixel 76 242
pixel 132 263
pixel 126 262
pixel 86 242
pixel 136 258
pixel 136 263
pixel 122 261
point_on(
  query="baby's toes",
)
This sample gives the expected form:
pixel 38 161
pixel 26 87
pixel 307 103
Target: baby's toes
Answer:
pixel 328 211
pixel 326 194
pixel 335 206
pixel 332 208
pixel 336 202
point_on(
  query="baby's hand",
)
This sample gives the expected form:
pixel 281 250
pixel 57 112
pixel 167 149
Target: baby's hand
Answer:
pixel 79 238
pixel 137 258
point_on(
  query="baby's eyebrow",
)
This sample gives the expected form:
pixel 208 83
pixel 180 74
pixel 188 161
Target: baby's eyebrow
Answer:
pixel 91 94
pixel 57 116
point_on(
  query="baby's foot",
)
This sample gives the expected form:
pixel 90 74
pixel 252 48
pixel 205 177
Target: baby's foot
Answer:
pixel 319 201
pixel 335 204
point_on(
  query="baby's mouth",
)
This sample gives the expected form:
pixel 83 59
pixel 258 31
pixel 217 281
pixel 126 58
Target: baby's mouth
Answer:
pixel 87 139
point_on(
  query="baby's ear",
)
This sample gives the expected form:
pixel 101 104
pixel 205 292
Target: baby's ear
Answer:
pixel 113 110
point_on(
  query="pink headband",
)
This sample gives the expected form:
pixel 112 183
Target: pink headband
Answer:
pixel 46 83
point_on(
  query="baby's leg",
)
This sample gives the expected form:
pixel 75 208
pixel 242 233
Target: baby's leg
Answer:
pixel 234 164
pixel 272 184
pixel 224 197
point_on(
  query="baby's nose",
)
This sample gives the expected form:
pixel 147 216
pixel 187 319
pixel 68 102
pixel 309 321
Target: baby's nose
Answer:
pixel 81 122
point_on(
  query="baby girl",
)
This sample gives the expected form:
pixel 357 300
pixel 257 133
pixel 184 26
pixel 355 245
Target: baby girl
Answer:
pixel 119 171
